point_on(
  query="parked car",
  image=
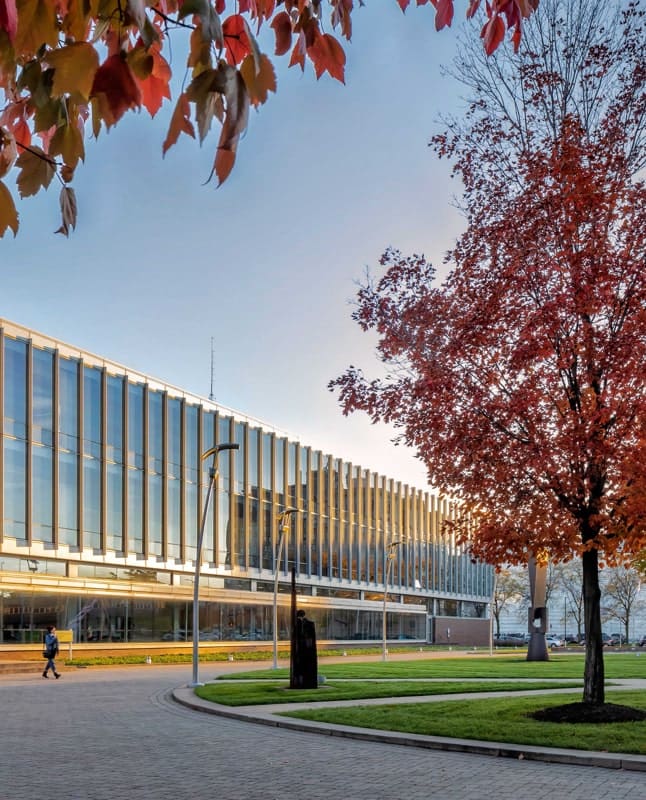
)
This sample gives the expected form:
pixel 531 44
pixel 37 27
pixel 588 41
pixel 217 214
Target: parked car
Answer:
pixel 554 641
pixel 510 640
pixel 615 640
pixel 642 641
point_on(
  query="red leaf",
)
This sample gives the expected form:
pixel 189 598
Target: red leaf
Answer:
pixel 282 26
pixel 155 87
pixel 236 40
pixel 493 33
pixel 443 14
pixel 180 123
pixel 327 54
pixel 9 18
pixel 115 88
pixel 403 4
pixel 473 7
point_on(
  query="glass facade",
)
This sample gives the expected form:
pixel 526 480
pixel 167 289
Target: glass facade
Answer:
pixel 102 470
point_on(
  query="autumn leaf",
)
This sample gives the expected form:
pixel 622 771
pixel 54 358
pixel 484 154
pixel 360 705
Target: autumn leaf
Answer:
pixel 74 66
pixel 115 89
pixel 9 18
pixel 68 210
pixel 68 143
pixel 236 41
pixel 36 171
pixel 36 26
pixel 327 54
pixel 206 91
pixel 8 213
pixel 180 123
pixel 155 87
pixel 282 27
pixel 235 122
pixel 8 151
pixel 258 84
pixel 493 33
pixel 443 13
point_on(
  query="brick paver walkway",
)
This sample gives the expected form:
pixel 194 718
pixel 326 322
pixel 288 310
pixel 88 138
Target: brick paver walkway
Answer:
pixel 102 734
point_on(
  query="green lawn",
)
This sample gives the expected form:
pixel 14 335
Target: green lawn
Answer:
pixel 498 720
pixel 621 665
pixel 241 694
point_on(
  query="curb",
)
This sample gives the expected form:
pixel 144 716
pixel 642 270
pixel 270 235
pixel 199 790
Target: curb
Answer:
pixel 186 697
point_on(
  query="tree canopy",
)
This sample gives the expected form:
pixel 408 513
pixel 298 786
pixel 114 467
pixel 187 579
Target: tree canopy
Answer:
pixel 68 65
pixel 520 380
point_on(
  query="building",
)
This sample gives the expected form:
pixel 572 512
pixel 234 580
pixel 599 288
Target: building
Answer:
pixel 103 491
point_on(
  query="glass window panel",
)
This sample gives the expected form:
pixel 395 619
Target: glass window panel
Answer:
pixel 42 405
pixel 91 503
pixel 135 425
pixel 68 388
pixel 135 510
pixel 208 431
pixel 192 525
pixel 291 474
pixel 114 432
pixel 266 465
pixel 155 431
pixel 254 534
pixel 280 471
pixel 114 507
pixel 15 387
pixel 239 487
pixel 155 514
pixel 192 443
pixel 42 459
pixel 224 459
pixel 239 555
pixel 173 521
pixel 15 481
pixel 68 499
pixel 92 407
pixel 303 475
pixel 174 436
pixel 224 530
pixel 253 462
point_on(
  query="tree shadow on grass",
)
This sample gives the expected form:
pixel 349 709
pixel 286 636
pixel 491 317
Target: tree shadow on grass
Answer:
pixel 588 712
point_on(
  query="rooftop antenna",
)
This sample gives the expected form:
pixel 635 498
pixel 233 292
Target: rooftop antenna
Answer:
pixel 211 395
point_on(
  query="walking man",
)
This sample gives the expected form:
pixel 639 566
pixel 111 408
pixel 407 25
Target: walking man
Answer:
pixel 51 651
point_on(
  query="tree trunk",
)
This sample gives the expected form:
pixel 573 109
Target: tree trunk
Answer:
pixel 593 680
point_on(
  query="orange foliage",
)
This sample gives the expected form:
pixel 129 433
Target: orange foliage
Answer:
pixel 51 75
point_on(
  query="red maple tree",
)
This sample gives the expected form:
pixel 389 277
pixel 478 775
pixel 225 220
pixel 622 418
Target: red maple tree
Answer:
pixel 520 380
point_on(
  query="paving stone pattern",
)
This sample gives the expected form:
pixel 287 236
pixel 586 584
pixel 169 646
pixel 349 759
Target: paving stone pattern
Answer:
pixel 107 734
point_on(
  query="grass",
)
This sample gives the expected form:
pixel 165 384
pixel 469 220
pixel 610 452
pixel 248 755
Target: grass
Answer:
pixel 624 665
pixel 257 693
pixel 498 720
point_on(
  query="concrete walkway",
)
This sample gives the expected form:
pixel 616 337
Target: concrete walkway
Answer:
pixel 270 714
pixel 113 733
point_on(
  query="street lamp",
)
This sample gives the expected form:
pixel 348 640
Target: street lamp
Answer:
pixel 213 474
pixel 283 524
pixel 389 558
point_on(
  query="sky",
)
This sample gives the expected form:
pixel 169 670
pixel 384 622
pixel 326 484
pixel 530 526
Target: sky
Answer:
pixel 266 266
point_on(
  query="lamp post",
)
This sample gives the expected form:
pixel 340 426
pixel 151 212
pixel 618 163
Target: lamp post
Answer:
pixel 283 525
pixel 389 558
pixel 213 474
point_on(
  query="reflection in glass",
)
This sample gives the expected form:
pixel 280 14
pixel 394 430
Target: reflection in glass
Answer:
pixel 42 495
pixel 15 387
pixel 15 482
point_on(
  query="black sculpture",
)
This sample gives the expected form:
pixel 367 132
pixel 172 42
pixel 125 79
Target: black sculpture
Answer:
pixel 304 673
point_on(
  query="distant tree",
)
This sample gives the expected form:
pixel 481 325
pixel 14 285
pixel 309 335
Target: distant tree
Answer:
pixel 520 380
pixel 622 597
pixel 66 64
pixel 570 582
pixel 511 589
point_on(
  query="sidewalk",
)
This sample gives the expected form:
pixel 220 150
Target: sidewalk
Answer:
pixel 270 715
